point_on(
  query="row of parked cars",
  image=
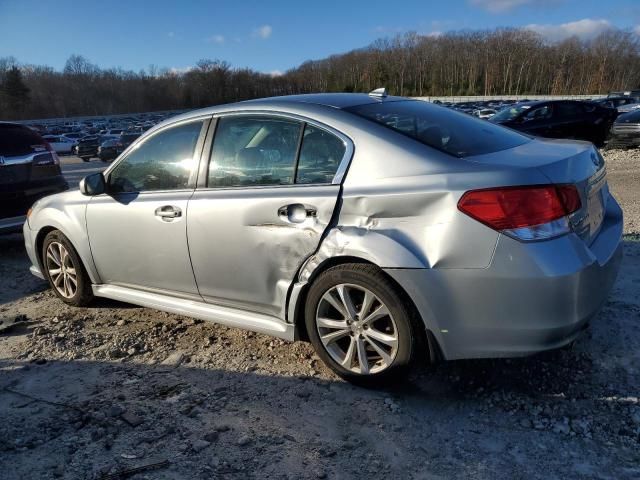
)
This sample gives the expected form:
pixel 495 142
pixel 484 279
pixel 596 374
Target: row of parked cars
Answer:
pixel 96 138
pixel 613 121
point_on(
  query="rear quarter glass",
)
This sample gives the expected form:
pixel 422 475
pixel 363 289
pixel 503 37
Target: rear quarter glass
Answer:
pixel 455 133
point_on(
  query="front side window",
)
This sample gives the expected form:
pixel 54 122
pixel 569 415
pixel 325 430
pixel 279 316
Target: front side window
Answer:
pixel 539 113
pixel 163 162
pixel 253 151
pixel 320 156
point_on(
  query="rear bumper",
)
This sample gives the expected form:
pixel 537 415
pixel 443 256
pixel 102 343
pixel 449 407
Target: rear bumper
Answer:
pixel 533 297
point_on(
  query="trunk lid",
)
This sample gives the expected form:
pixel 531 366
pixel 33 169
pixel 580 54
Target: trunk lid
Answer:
pixel 564 162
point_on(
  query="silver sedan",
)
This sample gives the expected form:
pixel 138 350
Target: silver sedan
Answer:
pixel 384 230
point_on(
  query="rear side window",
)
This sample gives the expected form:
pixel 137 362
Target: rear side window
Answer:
pixel 320 155
pixel 452 132
pixel 16 140
pixel 538 113
pixel 253 151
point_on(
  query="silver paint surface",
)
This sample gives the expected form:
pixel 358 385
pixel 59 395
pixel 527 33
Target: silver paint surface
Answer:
pixel 233 258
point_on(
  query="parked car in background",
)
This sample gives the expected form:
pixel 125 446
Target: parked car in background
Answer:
pixel 75 135
pixel 111 148
pixel 474 241
pixel 629 107
pixel 60 143
pixel 559 119
pixel 625 132
pixel 87 147
pixel 485 113
pixel 617 103
pixel 29 170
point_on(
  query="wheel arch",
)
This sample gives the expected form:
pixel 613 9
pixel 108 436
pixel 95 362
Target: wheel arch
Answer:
pixel 297 311
pixel 39 243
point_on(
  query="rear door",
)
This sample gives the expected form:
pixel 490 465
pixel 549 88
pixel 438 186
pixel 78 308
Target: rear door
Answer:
pixel 18 147
pixel 261 207
pixel 570 121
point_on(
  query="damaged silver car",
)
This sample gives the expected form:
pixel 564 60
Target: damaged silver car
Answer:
pixel 382 229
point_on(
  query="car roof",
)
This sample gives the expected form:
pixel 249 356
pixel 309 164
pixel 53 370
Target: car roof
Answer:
pixel 335 100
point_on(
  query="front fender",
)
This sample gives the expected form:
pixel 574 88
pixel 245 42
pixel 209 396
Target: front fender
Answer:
pixel 65 212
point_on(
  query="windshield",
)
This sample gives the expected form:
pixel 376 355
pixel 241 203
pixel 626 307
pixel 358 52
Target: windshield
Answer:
pixel 510 113
pixel 452 132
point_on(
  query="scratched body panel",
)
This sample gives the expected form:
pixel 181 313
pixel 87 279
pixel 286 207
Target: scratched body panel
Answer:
pixel 243 253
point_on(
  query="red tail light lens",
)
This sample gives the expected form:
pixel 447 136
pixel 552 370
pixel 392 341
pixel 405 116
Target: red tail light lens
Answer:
pixel 510 208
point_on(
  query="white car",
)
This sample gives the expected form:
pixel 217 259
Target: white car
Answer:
pixel 60 143
pixel 485 113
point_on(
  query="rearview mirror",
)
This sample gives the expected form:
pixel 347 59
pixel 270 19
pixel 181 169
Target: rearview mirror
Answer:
pixel 93 184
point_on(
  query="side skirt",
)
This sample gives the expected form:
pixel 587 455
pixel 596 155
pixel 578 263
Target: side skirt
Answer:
pixel 256 322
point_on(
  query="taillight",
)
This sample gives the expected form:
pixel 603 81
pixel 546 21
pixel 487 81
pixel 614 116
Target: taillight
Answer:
pixel 54 156
pixel 527 212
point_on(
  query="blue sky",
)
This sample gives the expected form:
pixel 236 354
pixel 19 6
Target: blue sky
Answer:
pixel 269 36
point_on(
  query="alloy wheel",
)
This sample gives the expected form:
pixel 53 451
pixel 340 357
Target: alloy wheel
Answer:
pixel 357 329
pixel 61 270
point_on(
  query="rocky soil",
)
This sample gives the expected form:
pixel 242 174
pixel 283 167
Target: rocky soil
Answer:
pixel 117 391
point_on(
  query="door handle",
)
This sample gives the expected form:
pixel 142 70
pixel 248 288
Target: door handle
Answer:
pixel 296 212
pixel 167 212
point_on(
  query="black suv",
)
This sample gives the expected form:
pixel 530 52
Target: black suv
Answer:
pixel 29 170
pixel 559 119
pixel 87 147
pixel 110 149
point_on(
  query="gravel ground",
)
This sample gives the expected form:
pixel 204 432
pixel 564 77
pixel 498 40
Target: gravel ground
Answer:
pixel 99 392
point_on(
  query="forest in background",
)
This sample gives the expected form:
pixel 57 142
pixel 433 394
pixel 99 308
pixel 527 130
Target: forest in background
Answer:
pixel 498 62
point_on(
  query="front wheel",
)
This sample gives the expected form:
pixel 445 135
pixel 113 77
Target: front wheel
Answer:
pixel 360 324
pixel 64 270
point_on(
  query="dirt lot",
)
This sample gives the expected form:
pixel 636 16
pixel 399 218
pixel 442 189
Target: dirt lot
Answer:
pixel 91 393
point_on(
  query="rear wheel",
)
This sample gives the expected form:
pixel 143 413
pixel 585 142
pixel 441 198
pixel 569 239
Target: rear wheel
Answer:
pixel 86 159
pixel 64 270
pixel 360 325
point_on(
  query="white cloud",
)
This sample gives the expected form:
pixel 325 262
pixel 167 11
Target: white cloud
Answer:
pixel 275 73
pixel 502 6
pixel 219 39
pixel 584 29
pixel 499 6
pixel 179 70
pixel 263 32
pixel 435 33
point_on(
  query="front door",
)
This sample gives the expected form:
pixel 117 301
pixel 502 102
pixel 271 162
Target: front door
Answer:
pixel 138 230
pixel 269 195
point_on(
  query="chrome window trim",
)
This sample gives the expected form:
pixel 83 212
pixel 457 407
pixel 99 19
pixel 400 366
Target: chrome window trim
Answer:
pixel 198 151
pixel 337 178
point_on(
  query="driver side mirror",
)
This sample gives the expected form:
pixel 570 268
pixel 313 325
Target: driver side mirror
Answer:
pixel 93 184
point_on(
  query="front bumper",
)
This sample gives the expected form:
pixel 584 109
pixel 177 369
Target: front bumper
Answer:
pixel 533 297
pixel 30 247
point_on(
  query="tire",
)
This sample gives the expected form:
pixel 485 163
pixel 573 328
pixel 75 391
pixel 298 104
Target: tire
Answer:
pixel 53 256
pixel 341 339
pixel 86 159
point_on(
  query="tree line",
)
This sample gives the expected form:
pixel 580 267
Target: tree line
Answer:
pixel 498 62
